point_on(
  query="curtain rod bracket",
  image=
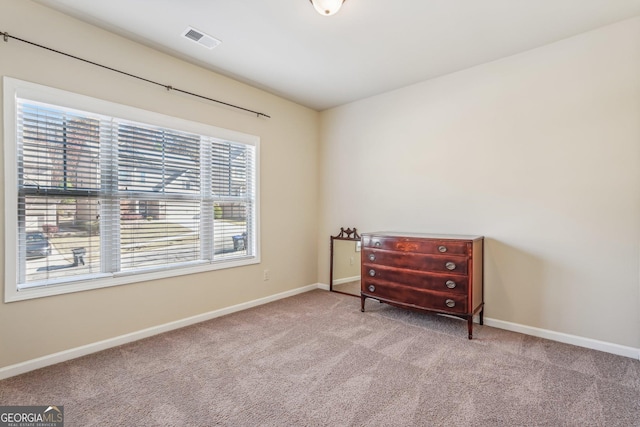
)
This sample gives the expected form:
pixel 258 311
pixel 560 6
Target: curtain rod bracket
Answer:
pixel 169 88
pixel 5 36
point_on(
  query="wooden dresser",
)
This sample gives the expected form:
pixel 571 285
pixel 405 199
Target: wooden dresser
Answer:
pixel 439 273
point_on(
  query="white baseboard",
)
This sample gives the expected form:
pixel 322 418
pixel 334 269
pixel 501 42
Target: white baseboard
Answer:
pixel 346 280
pixel 52 359
pixel 620 350
pixel 323 286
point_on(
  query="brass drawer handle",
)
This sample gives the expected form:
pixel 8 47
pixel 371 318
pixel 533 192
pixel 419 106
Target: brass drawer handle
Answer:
pixel 442 248
pixel 372 288
pixel 450 265
pixel 450 284
pixel 372 257
pixel 372 272
pixel 450 303
pixel 377 244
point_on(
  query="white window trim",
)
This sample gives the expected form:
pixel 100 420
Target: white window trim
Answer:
pixel 14 88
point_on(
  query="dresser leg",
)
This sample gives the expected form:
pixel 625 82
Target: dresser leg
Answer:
pixel 482 316
pixel 470 326
pixel 362 298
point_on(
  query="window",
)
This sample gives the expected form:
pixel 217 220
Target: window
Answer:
pixel 100 194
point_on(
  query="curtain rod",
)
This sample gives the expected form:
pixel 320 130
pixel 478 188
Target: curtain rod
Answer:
pixel 6 36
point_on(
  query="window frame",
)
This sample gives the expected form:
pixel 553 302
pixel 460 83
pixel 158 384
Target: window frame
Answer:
pixel 13 89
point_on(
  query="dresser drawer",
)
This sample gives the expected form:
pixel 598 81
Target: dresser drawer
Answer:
pixel 408 244
pixel 448 283
pixel 432 300
pixel 456 264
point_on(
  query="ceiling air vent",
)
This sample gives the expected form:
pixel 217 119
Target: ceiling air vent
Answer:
pixel 201 38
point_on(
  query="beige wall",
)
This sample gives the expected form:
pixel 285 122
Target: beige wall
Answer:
pixel 539 152
pixel 289 145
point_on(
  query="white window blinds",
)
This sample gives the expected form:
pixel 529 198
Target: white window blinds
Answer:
pixel 160 196
pixel 99 196
pixel 58 187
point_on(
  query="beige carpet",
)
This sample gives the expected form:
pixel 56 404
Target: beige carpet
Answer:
pixel 316 360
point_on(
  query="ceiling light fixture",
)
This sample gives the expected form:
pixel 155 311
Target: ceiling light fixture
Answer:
pixel 327 7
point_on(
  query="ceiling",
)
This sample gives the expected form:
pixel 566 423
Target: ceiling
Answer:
pixel 368 47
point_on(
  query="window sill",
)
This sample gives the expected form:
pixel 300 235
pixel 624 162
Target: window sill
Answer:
pixel 12 295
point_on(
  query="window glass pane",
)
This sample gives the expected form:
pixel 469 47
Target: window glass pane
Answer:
pixel 59 149
pixel 158 160
pixel 158 232
pixel 159 188
pixel 230 169
pixel 58 168
pixel 62 238
pixel 233 193
pixel 231 235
